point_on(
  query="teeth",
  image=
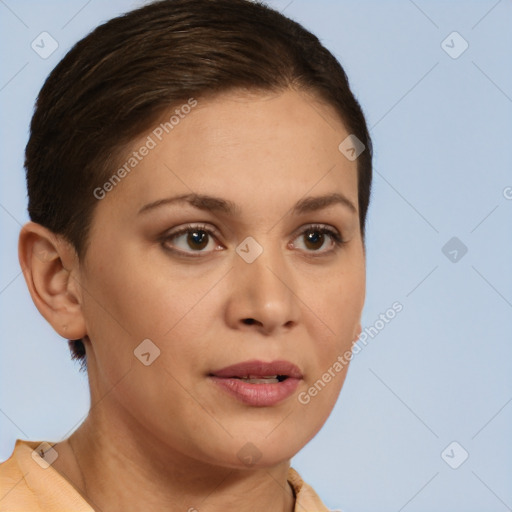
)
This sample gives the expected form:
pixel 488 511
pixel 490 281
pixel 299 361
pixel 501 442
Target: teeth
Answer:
pixel 264 380
pixel 255 379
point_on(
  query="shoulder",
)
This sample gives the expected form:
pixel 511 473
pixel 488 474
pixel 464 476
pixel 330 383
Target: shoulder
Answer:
pixel 306 499
pixel 14 491
pixel 28 483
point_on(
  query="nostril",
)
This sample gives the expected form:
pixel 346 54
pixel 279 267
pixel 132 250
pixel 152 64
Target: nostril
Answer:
pixel 249 321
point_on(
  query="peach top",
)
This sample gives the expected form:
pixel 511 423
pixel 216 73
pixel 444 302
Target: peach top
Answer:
pixel 25 486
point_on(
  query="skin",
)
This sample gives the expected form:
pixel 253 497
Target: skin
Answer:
pixel 163 436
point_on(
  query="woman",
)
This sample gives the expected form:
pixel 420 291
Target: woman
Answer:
pixel 199 174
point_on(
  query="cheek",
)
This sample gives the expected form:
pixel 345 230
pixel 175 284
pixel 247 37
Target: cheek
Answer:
pixel 130 300
pixel 338 303
pixel 136 297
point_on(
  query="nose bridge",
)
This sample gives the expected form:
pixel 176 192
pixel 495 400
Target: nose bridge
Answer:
pixel 264 284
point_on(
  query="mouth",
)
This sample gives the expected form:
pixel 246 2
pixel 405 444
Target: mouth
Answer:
pixel 258 383
pixel 260 372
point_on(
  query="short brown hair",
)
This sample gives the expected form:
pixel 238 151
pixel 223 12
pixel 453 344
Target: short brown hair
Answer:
pixel 114 83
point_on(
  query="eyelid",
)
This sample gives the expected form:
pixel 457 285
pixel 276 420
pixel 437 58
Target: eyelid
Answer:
pixel 319 227
pixel 185 228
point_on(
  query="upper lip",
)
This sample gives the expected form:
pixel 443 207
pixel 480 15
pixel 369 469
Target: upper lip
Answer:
pixel 256 369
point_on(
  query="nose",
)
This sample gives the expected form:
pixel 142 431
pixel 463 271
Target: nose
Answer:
pixel 262 295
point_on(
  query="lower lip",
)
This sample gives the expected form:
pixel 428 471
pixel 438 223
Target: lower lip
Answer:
pixel 258 395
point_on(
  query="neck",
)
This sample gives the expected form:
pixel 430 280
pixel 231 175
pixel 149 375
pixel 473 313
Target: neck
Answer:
pixel 127 469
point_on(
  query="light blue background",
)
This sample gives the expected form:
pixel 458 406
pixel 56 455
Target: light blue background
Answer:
pixel 441 370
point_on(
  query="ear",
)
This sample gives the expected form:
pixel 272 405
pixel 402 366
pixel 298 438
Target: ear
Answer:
pixel 51 269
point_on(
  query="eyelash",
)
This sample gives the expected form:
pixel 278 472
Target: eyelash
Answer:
pixel 320 228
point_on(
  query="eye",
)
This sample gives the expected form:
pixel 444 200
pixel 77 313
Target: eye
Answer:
pixel 318 239
pixel 197 240
pixel 191 239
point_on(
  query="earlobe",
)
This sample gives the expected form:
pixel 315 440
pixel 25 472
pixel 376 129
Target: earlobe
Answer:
pixel 50 267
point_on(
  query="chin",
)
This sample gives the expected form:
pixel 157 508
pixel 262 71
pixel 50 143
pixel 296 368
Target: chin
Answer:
pixel 245 453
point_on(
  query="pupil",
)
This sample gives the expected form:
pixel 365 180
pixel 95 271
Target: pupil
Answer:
pixel 314 239
pixel 197 239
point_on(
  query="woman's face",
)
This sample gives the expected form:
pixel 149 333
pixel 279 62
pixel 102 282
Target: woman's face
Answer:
pixel 246 269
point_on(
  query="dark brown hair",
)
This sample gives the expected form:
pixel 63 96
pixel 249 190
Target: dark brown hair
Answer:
pixel 118 80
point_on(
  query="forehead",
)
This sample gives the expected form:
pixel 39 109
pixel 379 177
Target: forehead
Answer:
pixel 240 146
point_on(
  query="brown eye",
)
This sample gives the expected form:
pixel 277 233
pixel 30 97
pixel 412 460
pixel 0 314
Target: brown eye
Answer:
pixel 318 239
pixel 191 241
pixel 197 239
pixel 313 239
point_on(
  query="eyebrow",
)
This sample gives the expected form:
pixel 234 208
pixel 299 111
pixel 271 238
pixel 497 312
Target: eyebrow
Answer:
pixel 217 204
